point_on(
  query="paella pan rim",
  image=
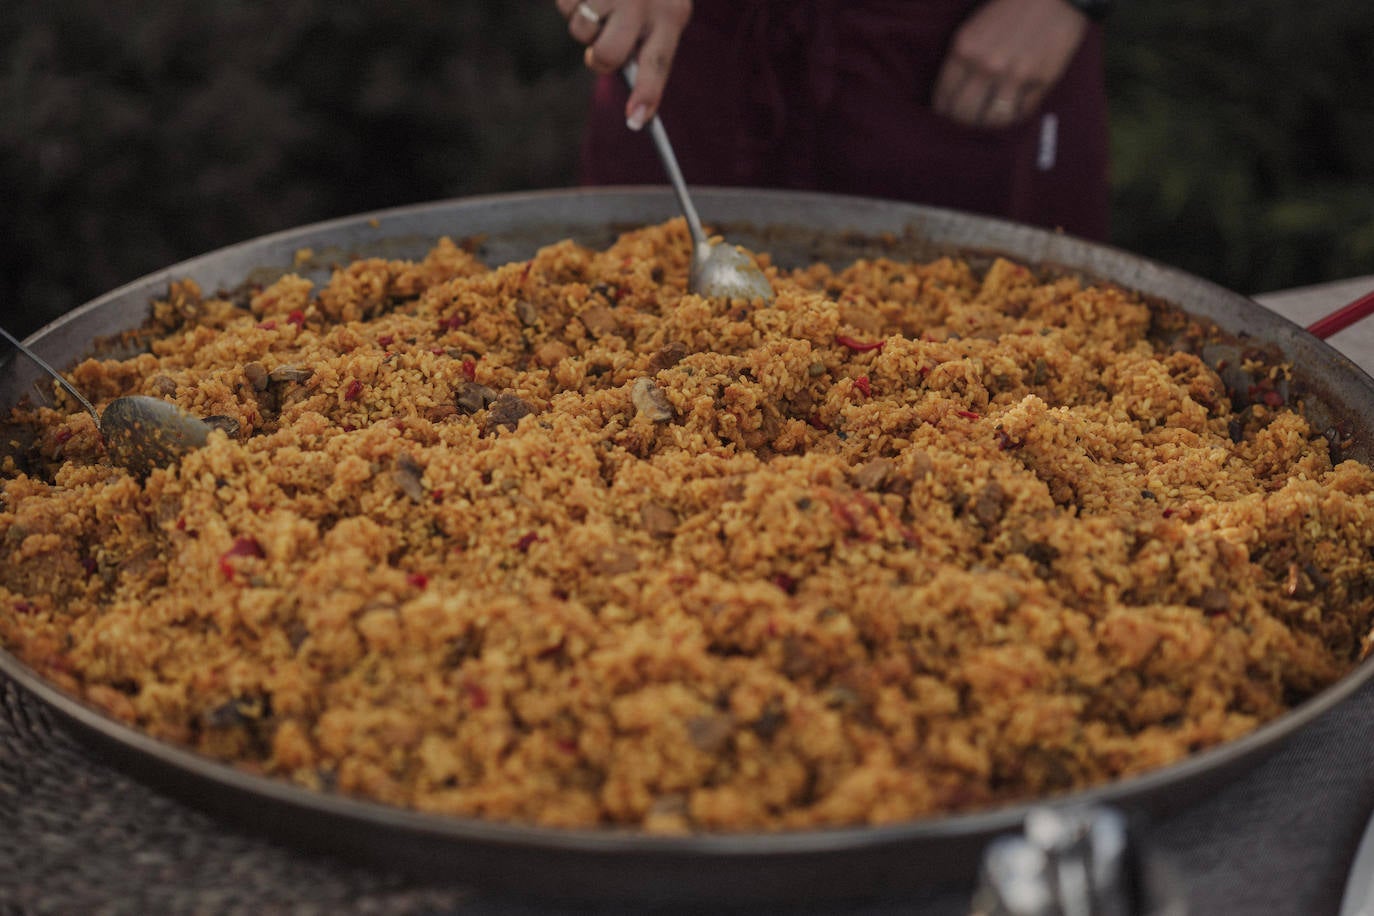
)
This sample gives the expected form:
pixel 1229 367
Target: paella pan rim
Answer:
pixel 345 823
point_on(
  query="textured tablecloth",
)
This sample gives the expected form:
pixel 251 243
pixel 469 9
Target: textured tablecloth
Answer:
pixel 77 836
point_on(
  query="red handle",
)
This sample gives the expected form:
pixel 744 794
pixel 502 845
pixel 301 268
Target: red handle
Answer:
pixel 1342 317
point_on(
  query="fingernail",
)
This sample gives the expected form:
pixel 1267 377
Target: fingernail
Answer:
pixel 639 116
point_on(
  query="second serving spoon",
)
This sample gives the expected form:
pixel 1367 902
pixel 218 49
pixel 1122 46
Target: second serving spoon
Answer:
pixel 140 432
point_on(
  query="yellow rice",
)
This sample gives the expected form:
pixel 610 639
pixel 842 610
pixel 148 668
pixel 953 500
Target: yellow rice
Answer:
pixel 559 543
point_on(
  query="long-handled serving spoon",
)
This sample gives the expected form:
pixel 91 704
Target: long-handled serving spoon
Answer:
pixel 140 432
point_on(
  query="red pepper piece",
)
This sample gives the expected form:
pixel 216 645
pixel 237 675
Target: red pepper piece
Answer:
pixel 863 385
pixel 968 415
pixel 417 580
pixel 523 545
pixel 477 695
pixel 354 390
pixel 469 368
pixel 246 547
pixel 297 317
pixel 848 519
pixel 242 547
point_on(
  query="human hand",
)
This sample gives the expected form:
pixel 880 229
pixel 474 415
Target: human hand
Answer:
pixel 615 31
pixel 1004 60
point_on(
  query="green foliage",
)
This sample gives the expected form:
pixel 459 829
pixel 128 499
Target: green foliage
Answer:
pixel 131 139
pixel 1243 138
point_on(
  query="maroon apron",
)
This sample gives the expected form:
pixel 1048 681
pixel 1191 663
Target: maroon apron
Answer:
pixel 836 96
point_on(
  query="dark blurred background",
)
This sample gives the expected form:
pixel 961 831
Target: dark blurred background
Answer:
pixel 133 135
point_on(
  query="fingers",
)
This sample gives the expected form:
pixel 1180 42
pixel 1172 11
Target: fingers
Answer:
pixel 655 62
pixel 958 93
pixel 1005 58
pixel 616 31
pixel 981 98
pixel 616 42
pixel 585 18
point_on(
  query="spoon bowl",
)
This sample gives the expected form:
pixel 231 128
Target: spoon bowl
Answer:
pixel 140 433
pixel 723 271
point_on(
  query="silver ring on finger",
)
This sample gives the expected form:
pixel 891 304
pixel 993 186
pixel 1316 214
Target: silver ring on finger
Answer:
pixel 999 109
pixel 585 11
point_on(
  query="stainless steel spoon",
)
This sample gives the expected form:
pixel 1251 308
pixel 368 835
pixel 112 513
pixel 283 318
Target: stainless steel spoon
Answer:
pixel 140 433
pixel 718 270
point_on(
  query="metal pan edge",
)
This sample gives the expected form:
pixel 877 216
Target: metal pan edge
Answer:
pixel 848 863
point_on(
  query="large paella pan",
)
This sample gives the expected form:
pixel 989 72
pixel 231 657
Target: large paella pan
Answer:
pixel 1262 361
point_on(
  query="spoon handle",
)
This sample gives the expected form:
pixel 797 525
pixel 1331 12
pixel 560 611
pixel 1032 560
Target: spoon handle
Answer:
pixel 665 153
pixel 61 380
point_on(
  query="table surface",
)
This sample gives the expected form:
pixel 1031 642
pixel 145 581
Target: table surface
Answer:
pixel 79 836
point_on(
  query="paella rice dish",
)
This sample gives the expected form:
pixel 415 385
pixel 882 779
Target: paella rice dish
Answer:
pixel 559 543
